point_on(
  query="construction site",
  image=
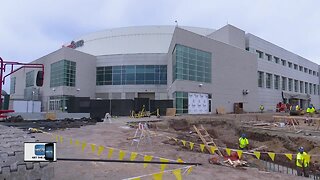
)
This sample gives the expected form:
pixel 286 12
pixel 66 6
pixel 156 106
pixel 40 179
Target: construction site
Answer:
pixel 211 142
pixel 177 102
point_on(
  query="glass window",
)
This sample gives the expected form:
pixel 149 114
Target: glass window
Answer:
pixel 12 85
pixel 314 89
pixel 276 60
pixel 269 57
pixel 306 70
pixel 300 68
pixel 194 67
pixel 306 87
pixel 283 62
pixel 296 84
pixel 310 71
pixel 260 54
pixel 284 83
pixel 295 66
pixel 290 84
pixel 301 86
pixel 276 81
pixel 310 88
pixel 132 74
pixel 268 80
pixel 30 78
pixel 260 79
pixel 181 102
pixel 63 73
pixel 290 64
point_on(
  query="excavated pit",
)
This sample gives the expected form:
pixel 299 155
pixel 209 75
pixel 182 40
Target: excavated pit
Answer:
pixel 226 132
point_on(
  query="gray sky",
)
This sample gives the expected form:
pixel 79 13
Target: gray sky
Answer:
pixel 30 29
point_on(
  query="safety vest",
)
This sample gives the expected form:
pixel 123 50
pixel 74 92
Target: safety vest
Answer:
pixel 312 110
pixel 243 142
pixel 261 107
pixel 308 110
pixel 297 107
pixel 304 157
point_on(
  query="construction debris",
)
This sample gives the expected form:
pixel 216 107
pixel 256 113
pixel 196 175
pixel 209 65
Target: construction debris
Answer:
pixel 34 130
pixel 225 161
pixel 236 163
pixel 259 148
pixel 262 124
pixel 14 119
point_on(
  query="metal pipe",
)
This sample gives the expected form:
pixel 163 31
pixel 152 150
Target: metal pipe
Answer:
pixel 1 73
pixel 126 161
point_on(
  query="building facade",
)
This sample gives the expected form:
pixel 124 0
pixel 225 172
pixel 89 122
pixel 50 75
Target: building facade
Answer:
pixel 200 69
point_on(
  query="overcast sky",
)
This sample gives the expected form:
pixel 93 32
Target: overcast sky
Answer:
pixel 30 29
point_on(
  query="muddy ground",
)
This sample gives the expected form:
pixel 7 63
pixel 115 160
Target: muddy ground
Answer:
pixel 224 129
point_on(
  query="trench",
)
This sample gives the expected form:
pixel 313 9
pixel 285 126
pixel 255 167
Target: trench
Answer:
pixel 226 133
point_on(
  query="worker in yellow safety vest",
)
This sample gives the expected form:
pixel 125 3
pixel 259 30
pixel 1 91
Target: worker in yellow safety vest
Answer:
pixel 310 113
pixel 311 110
pixel 261 108
pixel 302 162
pixel 243 142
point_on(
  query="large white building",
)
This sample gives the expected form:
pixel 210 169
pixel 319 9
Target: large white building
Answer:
pixel 201 69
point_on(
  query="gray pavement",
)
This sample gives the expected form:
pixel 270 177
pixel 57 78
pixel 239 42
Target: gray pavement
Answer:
pixel 12 165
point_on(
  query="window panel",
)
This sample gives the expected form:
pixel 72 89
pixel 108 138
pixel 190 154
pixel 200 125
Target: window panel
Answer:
pixel 30 78
pixel 276 81
pixel 290 84
pixel 12 85
pixel 268 80
pixel 260 79
pixel 194 65
pixel 301 86
pixel 284 83
pixel 63 73
pixel 133 74
pixel 306 88
pixel 296 84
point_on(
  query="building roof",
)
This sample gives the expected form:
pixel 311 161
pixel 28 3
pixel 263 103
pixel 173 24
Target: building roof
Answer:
pixel 133 40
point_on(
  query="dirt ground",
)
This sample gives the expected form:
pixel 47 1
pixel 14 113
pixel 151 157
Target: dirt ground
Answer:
pixel 224 129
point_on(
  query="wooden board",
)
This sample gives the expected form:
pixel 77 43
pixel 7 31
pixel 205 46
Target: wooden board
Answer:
pixel 51 116
pixel 171 112
pixel 295 117
pixel 220 110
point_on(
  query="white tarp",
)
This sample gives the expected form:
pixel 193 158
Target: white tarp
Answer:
pixel 27 106
pixel 198 103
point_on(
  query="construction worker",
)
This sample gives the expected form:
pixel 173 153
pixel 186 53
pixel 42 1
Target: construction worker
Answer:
pixel 243 142
pixel 302 162
pixel 297 107
pixel 309 109
pixel 313 110
pixel 310 112
pixel 261 108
